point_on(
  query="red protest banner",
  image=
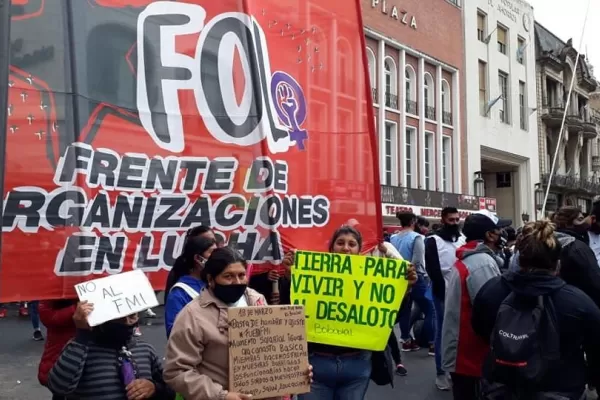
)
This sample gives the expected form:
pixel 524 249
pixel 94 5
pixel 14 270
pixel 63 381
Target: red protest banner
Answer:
pixel 141 119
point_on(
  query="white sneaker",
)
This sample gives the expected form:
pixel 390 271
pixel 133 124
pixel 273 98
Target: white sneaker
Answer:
pixel 442 382
pixel 150 313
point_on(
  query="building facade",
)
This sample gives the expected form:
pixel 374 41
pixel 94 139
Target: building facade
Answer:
pixel 501 103
pixel 576 177
pixel 416 70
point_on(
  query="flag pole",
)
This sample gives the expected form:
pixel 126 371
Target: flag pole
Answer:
pixel 564 118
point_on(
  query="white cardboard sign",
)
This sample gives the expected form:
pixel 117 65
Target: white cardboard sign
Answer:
pixel 117 296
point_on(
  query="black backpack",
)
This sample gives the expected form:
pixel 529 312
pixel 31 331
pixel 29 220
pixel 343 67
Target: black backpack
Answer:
pixel 524 342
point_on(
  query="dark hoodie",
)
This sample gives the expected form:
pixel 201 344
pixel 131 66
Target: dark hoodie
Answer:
pixel 578 320
pixel 578 264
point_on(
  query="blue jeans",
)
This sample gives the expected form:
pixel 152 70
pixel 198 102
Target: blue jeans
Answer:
pixel 438 306
pixel 418 294
pixel 34 314
pixel 339 378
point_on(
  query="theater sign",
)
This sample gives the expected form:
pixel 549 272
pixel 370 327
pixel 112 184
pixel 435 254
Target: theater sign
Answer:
pixel 429 204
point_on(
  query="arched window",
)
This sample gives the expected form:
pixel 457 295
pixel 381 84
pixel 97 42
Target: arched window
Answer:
pixel 344 69
pixel 372 63
pixel 429 94
pixel 445 96
pixel 446 101
pixel 391 84
pixel 372 74
pixel 411 90
pixel 429 91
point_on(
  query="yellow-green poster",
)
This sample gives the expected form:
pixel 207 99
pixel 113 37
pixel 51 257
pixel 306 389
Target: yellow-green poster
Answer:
pixel 350 301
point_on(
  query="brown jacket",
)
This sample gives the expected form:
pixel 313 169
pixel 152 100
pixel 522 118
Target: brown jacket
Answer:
pixel 197 357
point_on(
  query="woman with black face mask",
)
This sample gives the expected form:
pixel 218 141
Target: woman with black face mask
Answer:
pixel 107 362
pixel 196 362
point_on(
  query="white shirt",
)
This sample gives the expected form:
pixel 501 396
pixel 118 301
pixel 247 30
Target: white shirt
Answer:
pixel 595 244
pixel 240 303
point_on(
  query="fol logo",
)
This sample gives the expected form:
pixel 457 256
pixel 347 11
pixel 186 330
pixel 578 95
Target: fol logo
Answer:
pixel 272 106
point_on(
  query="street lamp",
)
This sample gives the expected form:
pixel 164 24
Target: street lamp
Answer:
pixel 539 196
pixel 479 185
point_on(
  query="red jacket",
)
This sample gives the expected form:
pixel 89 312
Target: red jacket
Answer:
pixel 61 329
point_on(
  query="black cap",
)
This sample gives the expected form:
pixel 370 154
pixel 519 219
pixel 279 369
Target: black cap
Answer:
pixel 481 222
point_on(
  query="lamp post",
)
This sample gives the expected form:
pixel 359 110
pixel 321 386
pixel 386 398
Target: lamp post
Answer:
pixel 479 185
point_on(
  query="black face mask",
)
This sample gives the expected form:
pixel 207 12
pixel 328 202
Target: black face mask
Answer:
pixel 113 334
pixel 229 294
pixel 452 229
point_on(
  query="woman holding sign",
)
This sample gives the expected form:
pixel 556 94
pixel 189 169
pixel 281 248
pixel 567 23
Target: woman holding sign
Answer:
pixel 342 372
pixel 197 357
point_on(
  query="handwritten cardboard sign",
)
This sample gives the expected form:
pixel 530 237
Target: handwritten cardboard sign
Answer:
pixel 268 354
pixel 117 296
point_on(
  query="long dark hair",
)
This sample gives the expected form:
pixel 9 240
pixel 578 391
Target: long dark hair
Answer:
pixel 345 230
pixel 186 261
pixel 219 260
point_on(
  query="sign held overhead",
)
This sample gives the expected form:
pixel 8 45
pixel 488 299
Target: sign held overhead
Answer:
pixel 117 296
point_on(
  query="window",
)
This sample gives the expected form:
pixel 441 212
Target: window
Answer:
pixel 520 50
pixel 483 96
pixel 503 179
pixel 344 66
pixel 502 35
pixel 391 87
pixel 429 161
pixel 446 109
pixel 481 26
pixel 390 153
pixel 446 163
pixel 409 149
pixel 503 85
pixel 372 74
pixel 411 91
pixel 387 162
pixel 429 93
pixel 523 106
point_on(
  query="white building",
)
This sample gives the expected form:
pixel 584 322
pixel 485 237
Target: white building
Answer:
pixel 502 144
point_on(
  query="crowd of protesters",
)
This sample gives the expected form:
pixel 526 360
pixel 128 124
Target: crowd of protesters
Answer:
pixel 506 313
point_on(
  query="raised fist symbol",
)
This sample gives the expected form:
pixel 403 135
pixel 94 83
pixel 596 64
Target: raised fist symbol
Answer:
pixel 289 104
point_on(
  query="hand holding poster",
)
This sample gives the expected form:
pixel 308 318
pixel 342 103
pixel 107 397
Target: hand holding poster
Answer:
pixel 268 353
pixel 117 296
pixel 350 300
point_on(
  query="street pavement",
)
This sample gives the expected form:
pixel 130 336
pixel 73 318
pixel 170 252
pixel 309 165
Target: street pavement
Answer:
pixel 20 355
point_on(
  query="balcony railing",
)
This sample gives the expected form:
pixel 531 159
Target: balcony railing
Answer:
pixel 572 182
pixel 391 100
pixel 374 94
pixel 447 117
pixel 411 107
pixel 430 112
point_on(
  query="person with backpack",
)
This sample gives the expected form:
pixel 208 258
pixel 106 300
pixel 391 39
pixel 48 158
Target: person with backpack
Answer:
pixel 187 277
pixel 411 246
pixel 538 326
pixel 477 262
